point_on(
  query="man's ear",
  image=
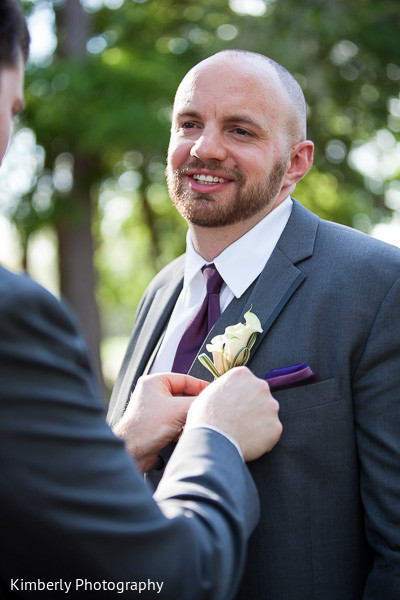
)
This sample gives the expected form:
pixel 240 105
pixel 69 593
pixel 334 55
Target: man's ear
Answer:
pixel 301 159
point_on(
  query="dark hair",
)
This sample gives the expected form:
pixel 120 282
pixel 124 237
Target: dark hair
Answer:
pixel 14 35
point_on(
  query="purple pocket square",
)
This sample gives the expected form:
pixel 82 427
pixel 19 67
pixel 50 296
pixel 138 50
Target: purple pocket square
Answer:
pixel 290 377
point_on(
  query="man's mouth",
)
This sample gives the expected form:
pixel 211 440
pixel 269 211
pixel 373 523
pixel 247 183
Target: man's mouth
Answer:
pixel 208 179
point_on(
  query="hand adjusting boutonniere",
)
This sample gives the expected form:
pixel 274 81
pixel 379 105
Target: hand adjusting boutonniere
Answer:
pixel 232 349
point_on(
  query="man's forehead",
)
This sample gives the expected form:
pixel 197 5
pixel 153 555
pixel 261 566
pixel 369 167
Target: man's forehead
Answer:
pixel 223 75
pixel 231 88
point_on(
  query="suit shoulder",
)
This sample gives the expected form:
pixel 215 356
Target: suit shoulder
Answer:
pixel 25 303
pixel 342 251
pixel 352 256
pixel 304 222
pixel 173 271
pixel 357 243
pixel 20 287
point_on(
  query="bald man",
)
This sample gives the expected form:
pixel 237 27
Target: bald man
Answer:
pixel 328 301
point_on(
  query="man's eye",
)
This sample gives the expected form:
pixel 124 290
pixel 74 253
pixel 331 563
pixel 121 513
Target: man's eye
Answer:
pixel 241 131
pixel 188 125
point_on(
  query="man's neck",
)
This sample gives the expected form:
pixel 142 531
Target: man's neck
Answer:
pixel 209 242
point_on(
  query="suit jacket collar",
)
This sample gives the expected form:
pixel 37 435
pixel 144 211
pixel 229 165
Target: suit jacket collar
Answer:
pixel 298 238
pixel 152 319
pixel 153 329
pixel 278 281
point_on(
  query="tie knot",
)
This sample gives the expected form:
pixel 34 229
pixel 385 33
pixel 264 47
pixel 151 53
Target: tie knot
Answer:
pixel 213 279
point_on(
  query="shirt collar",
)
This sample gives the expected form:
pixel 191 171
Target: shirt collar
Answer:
pixel 241 262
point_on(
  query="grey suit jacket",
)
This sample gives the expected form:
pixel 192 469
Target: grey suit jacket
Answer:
pixel 330 490
pixel 73 505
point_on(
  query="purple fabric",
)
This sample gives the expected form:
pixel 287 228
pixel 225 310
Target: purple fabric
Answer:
pixel 289 377
pixel 201 322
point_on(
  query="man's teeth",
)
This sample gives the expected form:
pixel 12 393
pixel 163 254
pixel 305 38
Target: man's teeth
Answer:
pixel 208 179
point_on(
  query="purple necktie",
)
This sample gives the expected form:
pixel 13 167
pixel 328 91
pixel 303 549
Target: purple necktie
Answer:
pixel 201 322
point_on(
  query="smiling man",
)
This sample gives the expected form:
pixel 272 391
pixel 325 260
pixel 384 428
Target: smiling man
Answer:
pixel 327 298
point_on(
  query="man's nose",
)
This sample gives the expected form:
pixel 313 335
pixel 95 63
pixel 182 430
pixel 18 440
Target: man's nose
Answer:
pixel 208 146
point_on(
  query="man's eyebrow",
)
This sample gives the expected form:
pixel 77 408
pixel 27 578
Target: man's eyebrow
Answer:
pixel 242 118
pixel 235 118
pixel 187 114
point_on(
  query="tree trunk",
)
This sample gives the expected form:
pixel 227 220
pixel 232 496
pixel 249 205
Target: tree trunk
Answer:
pixel 77 275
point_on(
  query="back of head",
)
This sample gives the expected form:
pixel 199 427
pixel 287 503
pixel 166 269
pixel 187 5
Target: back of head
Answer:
pixel 14 36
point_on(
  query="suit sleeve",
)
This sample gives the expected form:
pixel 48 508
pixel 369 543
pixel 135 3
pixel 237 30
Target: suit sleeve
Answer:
pixel 377 413
pixel 72 503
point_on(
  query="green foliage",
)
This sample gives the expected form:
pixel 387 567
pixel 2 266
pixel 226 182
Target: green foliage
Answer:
pixel 113 109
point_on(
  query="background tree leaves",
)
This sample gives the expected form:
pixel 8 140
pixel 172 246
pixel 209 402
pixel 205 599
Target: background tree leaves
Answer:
pixel 101 112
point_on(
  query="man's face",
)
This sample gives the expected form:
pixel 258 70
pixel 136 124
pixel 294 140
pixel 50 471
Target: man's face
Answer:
pixel 229 147
pixel 11 100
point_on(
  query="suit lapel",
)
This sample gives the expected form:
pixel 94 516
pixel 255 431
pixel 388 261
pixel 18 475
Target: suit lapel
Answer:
pixel 147 333
pixel 275 285
pixel 154 325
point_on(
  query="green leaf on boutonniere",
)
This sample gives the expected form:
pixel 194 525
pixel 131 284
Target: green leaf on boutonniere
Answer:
pixel 232 349
pixel 208 363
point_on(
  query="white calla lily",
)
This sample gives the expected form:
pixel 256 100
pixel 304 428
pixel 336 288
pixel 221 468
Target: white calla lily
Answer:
pixel 233 347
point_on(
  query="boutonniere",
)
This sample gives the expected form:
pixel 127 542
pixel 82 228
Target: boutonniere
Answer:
pixel 232 348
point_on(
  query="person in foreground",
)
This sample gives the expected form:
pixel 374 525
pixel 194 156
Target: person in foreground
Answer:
pixel 75 513
pixel 328 301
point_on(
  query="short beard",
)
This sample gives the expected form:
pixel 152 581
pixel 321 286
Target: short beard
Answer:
pixel 204 211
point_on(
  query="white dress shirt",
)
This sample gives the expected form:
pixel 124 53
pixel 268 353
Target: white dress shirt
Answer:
pixel 239 265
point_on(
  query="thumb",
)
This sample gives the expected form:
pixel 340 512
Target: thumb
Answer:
pixel 183 403
pixel 184 385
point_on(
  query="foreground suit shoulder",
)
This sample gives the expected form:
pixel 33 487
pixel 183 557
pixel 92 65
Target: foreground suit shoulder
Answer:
pixel 72 504
pixel 39 335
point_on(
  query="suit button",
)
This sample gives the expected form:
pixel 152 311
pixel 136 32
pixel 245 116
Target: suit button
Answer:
pixel 159 464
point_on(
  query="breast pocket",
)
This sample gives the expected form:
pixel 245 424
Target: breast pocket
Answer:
pixel 308 396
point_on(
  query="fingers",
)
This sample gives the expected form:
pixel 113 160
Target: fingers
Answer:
pixel 177 384
pixel 238 403
pixel 180 407
pixel 185 385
